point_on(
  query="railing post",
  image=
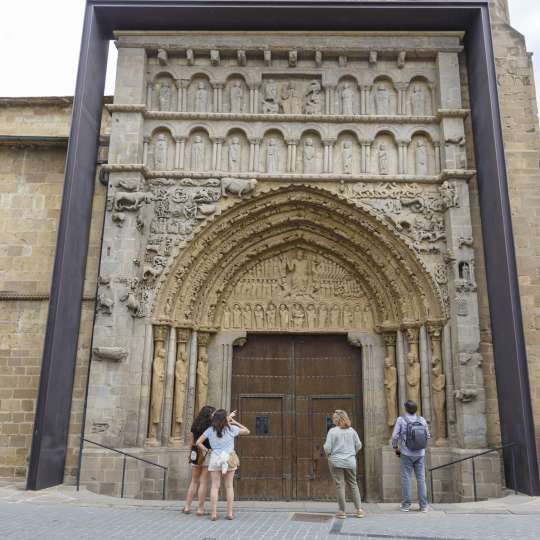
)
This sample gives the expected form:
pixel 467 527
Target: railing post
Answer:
pixel 164 484
pixel 514 479
pixel 123 477
pixel 474 479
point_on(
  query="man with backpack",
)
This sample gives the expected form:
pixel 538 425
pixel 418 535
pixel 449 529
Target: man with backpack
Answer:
pixel 411 432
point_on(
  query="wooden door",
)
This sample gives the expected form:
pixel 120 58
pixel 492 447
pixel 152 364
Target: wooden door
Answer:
pixel 285 388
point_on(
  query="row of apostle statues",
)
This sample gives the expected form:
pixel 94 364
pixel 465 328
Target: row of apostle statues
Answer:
pixel 294 97
pixel 308 156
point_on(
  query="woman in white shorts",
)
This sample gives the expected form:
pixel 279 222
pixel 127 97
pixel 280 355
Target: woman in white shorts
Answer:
pixel 223 459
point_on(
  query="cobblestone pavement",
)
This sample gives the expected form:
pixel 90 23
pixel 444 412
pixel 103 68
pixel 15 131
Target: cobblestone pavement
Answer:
pixel 61 513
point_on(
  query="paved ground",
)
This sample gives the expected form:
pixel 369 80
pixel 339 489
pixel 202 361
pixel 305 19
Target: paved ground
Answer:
pixel 59 514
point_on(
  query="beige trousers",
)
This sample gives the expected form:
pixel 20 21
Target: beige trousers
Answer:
pixel 342 477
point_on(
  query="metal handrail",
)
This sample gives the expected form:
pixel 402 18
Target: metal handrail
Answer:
pixel 126 455
pixel 509 445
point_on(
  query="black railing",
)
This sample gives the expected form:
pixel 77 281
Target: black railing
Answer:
pixel 126 455
pixel 512 447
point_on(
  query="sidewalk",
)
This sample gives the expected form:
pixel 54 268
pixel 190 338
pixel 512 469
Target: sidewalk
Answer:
pixel 62 513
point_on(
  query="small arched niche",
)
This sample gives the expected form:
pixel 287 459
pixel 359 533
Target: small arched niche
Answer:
pixel 384 154
pixel 420 99
pixel 347 96
pixel 384 97
pixel 200 94
pixel 347 154
pixel 310 153
pixel 235 157
pixel 273 153
pixel 164 95
pixel 236 95
pixel 421 155
pixel 199 151
pixel 161 154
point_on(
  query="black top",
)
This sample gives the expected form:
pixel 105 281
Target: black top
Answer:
pixel 197 434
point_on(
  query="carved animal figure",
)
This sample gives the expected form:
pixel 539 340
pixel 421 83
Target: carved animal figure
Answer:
pixel 237 186
pixel 123 201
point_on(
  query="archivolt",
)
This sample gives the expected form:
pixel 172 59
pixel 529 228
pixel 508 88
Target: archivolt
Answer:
pixel 194 288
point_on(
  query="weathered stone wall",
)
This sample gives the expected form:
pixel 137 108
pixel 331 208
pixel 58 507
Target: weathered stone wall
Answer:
pixel 31 181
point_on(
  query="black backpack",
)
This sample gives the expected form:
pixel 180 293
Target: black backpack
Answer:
pixel 416 437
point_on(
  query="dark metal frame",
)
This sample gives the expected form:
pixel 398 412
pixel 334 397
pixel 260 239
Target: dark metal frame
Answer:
pixel 49 443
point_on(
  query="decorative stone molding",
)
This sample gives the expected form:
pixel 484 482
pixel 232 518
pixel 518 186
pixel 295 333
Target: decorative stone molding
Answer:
pixel 111 354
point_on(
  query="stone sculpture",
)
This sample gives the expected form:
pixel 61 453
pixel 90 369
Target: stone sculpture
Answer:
pixel 382 100
pixel 383 159
pixel 112 354
pixel 237 97
pixel 390 386
pixel 418 101
pixel 201 98
pixel 421 161
pixel 158 388
pixel 180 380
pixel 290 98
pixel 160 152
pixel 272 156
pixel 271 315
pixel 313 98
pixel 237 186
pixel 309 156
pixel 164 97
pixel 347 157
pixel 347 95
pixel 197 154
pixel 413 378
pixel 438 384
pixel 271 98
pixel 283 316
pixel 235 155
pixel 202 373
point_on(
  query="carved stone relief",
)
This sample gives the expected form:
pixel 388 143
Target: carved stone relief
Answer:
pixel 158 383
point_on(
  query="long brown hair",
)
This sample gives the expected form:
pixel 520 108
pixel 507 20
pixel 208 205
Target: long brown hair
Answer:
pixel 220 422
pixel 203 420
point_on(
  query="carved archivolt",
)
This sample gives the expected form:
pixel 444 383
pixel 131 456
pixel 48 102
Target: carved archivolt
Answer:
pixel 301 227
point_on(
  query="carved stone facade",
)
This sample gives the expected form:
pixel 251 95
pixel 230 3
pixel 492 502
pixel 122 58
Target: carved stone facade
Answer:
pixel 256 189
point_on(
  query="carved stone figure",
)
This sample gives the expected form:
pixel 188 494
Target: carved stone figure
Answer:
pixel 313 98
pixel 180 379
pixel 382 100
pixel 347 95
pixel 271 315
pixel 290 99
pixel 237 186
pixel 246 316
pixel 347 156
pixel 421 158
pixel 335 316
pixel 297 273
pixel 158 389
pixel 271 98
pixel 449 195
pixel 105 302
pixel 298 316
pixel 237 316
pixel 309 156
pixel 311 316
pixel 202 375
pixel 383 159
pixel 348 317
pixel 197 154
pixel 201 98
pixel 418 100
pixel 164 97
pixel 438 384
pixel 112 354
pixel 413 377
pixel 235 155
pixel 390 387
pixel 130 201
pixel 227 317
pixel 272 156
pixel 160 152
pixel 258 316
pixel 237 97
pixel 283 316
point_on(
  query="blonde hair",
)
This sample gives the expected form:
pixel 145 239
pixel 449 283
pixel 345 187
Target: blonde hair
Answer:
pixel 341 419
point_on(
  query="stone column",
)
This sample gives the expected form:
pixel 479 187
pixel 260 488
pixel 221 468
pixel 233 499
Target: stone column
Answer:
pixel 178 84
pixel 365 92
pixel 390 378
pixel 149 94
pixel 146 379
pixel 401 361
pixel 425 373
pixel 256 154
pixel 185 85
pixel 181 152
pixel 215 97
pixel 291 155
pixel 438 384
pixel 402 156
pixel 330 100
pixel 202 370
pixel 220 97
pixel 146 144
pixel 253 99
pixel 251 155
pixel 365 156
pixel 181 372
pixel 412 368
pixel 169 388
pixel 433 98
pixel 328 162
pixel 157 388
pixel 402 108
pixel 437 149
pixel 191 386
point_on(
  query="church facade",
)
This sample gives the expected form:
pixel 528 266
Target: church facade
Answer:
pixel 284 224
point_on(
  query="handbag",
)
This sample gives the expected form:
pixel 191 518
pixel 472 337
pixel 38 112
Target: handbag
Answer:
pixel 196 456
pixel 233 462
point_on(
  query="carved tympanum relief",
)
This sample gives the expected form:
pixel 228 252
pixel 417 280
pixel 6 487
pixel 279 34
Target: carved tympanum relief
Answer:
pixel 297 290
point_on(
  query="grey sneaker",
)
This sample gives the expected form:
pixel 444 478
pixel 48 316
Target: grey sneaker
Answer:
pixel 424 509
pixel 403 508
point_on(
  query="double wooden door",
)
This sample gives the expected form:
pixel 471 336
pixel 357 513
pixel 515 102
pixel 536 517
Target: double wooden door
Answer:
pixel 285 389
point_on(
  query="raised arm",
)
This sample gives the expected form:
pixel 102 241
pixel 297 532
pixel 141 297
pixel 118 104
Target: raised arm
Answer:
pixel 243 429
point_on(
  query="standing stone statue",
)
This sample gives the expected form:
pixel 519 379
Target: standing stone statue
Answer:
pixel 438 385
pixel 271 315
pixel 160 152
pixel 197 154
pixel 202 376
pixel 258 316
pixel 313 98
pixel 272 156
pixel 298 316
pixel 158 389
pixel 383 159
pixel 421 158
pixel 347 95
pixel 164 97
pixel 311 312
pixel 271 98
pixel 390 387
pixel 418 101
pixel 382 100
pixel 201 98
pixel 237 316
pixel 237 97
pixel 283 316
pixel 347 156
pixel 290 99
pixel 235 155
pixel 246 316
pixel 413 378
pixel 180 380
pixel 309 156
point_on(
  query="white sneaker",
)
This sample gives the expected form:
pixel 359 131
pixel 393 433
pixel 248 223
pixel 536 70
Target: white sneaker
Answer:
pixel 404 508
pixel 424 509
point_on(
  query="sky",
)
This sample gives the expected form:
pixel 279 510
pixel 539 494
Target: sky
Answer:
pixel 40 39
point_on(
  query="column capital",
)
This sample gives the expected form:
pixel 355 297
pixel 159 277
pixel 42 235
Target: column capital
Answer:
pixel 217 85
pixel 254 140
pixel 160 332
pixel 401 85
pixel 413 333
pixel 329 142
pixel 218 140
pixel 435 330
pixel 180 139
pixel 203 338
pixel 389 338
pixel 182 335
pixel 292 141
